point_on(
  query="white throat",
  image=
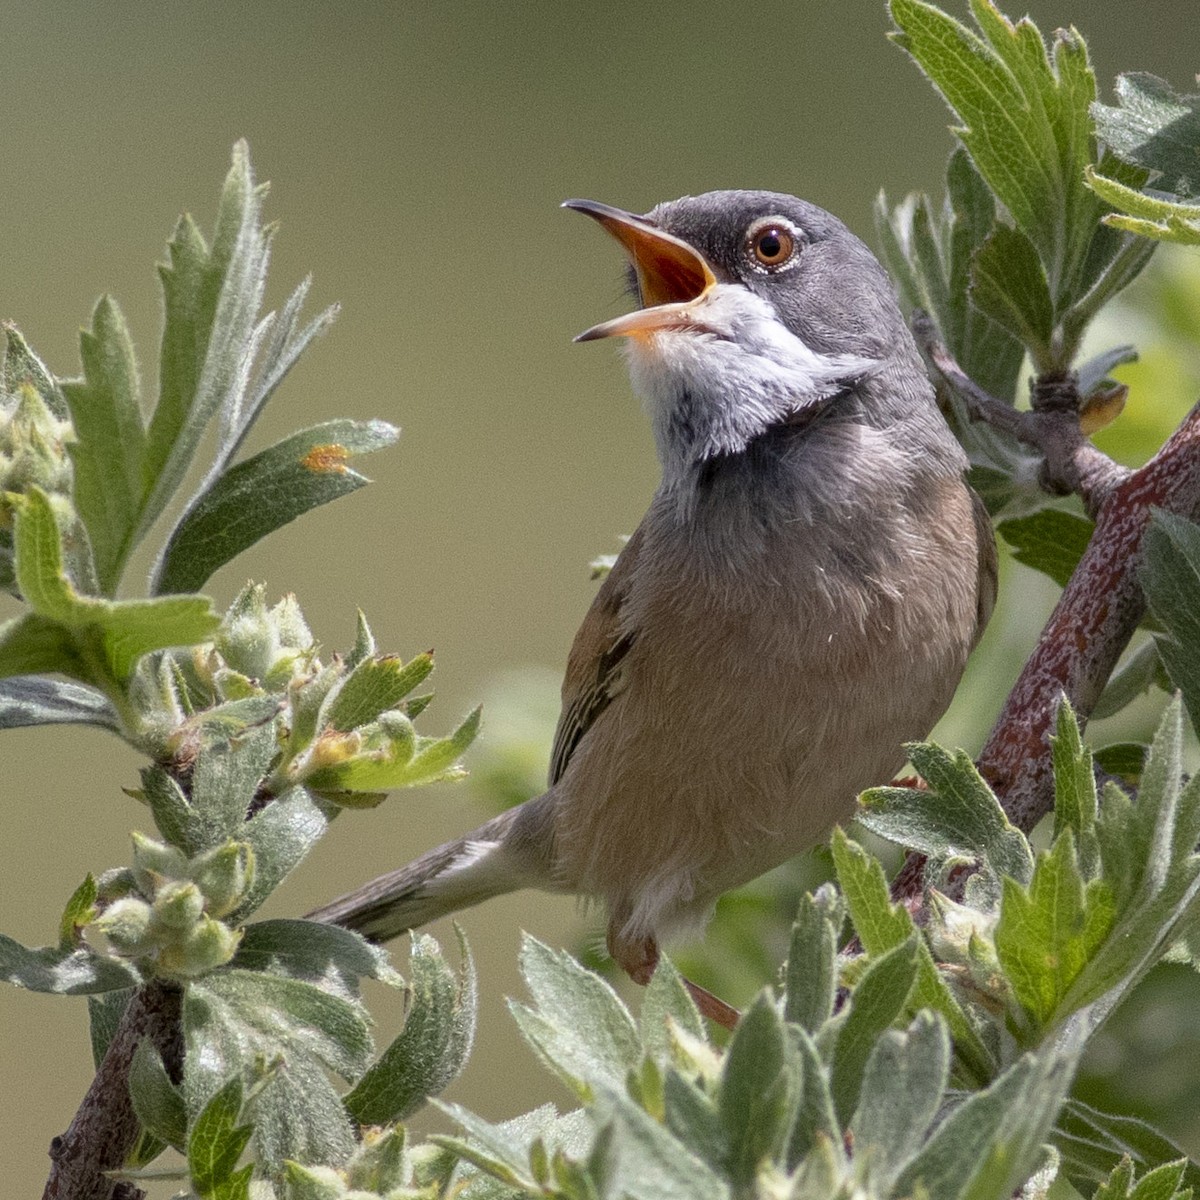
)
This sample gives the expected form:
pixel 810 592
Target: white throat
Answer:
pixel 725 373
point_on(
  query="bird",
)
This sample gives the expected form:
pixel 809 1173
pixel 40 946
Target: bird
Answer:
pixel 797 603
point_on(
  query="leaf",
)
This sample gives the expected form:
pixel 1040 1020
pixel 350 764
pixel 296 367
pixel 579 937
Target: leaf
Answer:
pixel 225 781
pixel 1047 934
pixel 372 687
pixel 1093 1143
pixel 30 643
pixel 990 1144
pixel 810 976
pixel 905 1077
pixel 957 817
pixel 75 972
pixel 316 953
pixel 882 926
pixel 116 632
pixel 20 365
pixel 433 1046
pixel 1133 678
pixel 32 700
pixel 1025 118
pixel 1156 128
pixel 1009 285
pixel 212 302
pixel 105 1010
pixel 579 1026
pixel 111 442
pixel 395 765
pixel 757 1092
pixel 281 835
pixel 262 494
pixel 1074 789
pixel 1170 577
pixel 667 1002
pixel 1148 216
pixel 1126 760
pixel 234 1017
pixel 1150 866
pixel 1050 540
pixel 876 1002
pixel 216 1141
pixel 80 911
pixel 156 1100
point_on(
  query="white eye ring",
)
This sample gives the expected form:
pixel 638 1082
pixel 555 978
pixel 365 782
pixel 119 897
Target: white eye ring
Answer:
pixel 773 245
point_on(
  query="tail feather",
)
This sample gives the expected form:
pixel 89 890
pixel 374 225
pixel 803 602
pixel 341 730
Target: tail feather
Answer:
pixel 450 877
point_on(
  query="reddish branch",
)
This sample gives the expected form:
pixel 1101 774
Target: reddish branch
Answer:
pixel 105 1127
pixel 1102 604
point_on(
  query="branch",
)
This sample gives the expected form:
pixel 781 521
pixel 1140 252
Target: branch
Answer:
pixel 105 1127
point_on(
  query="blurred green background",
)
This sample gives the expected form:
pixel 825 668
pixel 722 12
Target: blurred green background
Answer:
pixel 418 154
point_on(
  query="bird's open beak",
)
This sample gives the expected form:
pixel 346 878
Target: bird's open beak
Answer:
pixel 671 275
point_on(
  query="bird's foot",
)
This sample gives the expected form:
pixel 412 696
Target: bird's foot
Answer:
pixel 638 958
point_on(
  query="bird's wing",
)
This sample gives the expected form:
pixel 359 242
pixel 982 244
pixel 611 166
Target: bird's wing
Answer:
pixel 989 565
pixel 594 675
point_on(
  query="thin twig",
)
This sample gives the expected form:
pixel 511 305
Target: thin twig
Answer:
pixel 1051 427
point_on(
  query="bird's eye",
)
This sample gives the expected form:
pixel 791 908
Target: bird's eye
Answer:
pixel 772 244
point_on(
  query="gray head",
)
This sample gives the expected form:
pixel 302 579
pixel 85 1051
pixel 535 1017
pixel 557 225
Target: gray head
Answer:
pixel 760 309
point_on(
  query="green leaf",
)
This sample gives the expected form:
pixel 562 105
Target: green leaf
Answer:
pixel 901 1095
pixel 579 1026
pixel 226 778
pixel 1025 116
pixel 1009 285
pixel 810 976
pixel 1141 671
pixel 212 301
pixel 75 972
pixel 956 818
pixel 31 643
pixel 32 700
pixel 1170 577
pixel 757 1092
pixel 1074 789
pixel 112 634
pixel 1156 128
pixel 432 1047
pixel 1147 216
pixel 111 441
pixel 263 493
pixel 216 1141
pixel 876 1002
pixel 815 1125
pixel 1150 866
pixel 372 687
pixel 882 926
pixel 665 1001
pixel 156 1100
pixel 990 1144
pixel 1051 541
pixel 105 1010
pixel 19 366
pixel 281 835
pixel 233 1017
pixel 80 911
pixel 316 953
pixel 1093 1143
pixel 1047 934
pixel 1126 760
pixel 396 765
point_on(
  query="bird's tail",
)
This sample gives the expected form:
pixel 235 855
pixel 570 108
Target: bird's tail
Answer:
pixel 456 875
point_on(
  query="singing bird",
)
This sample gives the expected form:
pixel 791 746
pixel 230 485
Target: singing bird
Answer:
pixel 799 600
